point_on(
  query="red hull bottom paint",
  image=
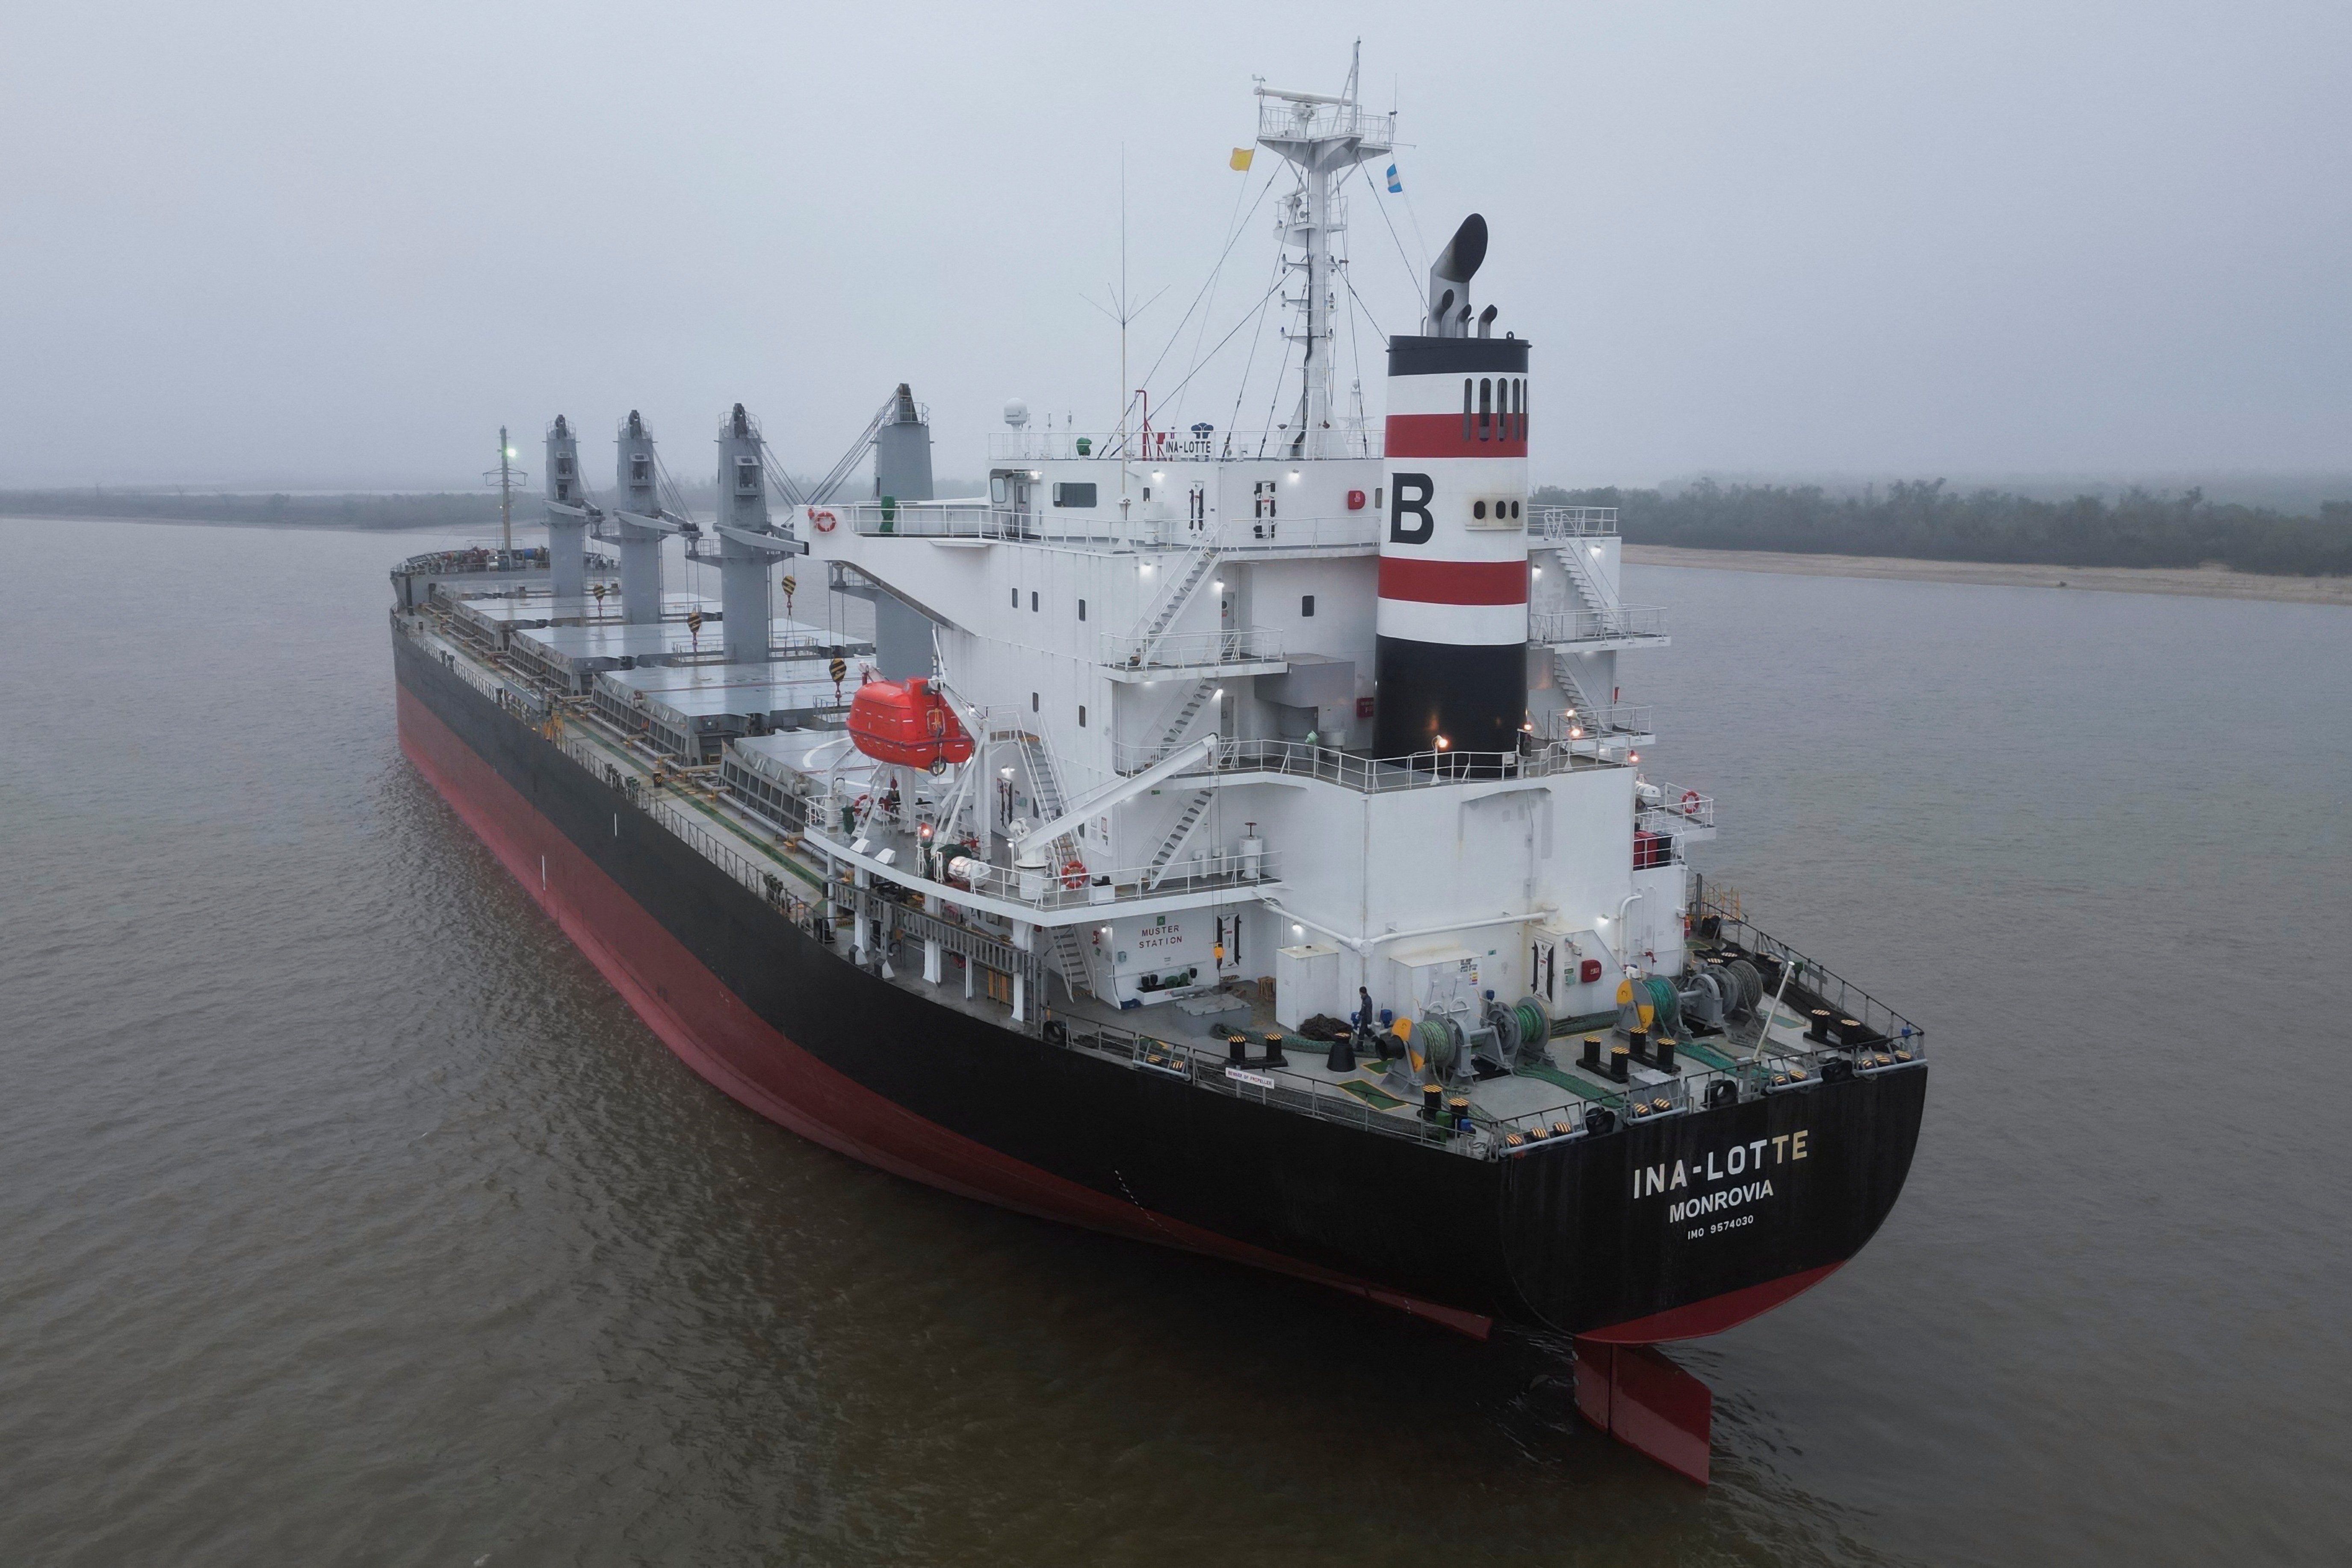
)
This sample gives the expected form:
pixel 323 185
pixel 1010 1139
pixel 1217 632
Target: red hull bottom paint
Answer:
pixel 747 1058
pixel 1646 1403
pixel 1713 1315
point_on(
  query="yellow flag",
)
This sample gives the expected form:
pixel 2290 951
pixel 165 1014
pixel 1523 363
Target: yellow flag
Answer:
pixel 1242 156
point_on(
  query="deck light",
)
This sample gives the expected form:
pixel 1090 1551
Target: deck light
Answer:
pixel 1442 743
pixel 1218 586
pixel 1538 571
pixel 1298 931
pixel 1633 756
pixel 1596 548
pixel 1294 476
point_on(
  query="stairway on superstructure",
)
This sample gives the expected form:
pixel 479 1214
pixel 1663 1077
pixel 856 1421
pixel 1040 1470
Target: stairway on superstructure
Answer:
pixel 1594 597
pixel 1069 957
pixel 1194 810
pixel 1173 602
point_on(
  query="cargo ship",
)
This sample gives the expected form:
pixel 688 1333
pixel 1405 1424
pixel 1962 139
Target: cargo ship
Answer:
pixel 1230 840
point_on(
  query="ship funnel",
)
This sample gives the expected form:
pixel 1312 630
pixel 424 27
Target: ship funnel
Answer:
pixel 1450 275
pixel 1452 614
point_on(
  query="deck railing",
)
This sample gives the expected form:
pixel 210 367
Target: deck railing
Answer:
pixel 1206 1067
pixel 1581 726
pixel 1178 445
pixel 1140 530
pixel 1552 628
pixel 1812 982
pixel 1677 809
pixel 1574 522
pixel 1173 651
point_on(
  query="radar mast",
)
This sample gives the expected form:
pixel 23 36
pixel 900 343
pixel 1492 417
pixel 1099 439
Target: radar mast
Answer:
pixel 1324 137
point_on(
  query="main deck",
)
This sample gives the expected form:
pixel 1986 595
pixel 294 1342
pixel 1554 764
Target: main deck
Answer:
pixel 1589 1075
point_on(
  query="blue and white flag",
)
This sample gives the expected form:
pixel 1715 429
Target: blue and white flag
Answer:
pixel 1396 186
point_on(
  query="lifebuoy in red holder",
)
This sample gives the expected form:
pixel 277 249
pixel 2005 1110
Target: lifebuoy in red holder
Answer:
pixel 1074 875
pixel 1690 803
pixel 822 519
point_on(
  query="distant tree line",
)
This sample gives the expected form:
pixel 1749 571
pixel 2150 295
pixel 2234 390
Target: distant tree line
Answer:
pixel 1924 520
pixel 460 510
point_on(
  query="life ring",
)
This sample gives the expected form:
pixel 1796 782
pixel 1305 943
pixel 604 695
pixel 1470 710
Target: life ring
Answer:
pixel 823 520
pixel 1074 875
pixel 1690 803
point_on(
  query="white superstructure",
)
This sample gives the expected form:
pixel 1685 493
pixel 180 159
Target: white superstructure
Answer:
pixel 1165 647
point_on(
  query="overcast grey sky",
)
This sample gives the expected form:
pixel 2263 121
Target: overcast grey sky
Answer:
pixel 311 244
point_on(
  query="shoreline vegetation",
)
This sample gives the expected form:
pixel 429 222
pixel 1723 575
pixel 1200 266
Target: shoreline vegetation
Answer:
pixel 384 512
pixel 2140 542
pixel 1925 522
pixel 2209 582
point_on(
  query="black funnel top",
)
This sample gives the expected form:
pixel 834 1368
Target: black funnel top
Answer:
pixel 1459 261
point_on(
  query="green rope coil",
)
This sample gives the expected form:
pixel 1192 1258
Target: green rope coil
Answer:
pixel 1665 1007
pixel 1535 1025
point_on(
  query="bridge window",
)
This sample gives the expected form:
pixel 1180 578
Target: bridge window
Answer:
pixel 1307 607
pixel 1485 408
pixel 1466 408
pixel 1074 494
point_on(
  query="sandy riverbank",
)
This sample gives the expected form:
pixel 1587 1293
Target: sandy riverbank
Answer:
pixel 2207 581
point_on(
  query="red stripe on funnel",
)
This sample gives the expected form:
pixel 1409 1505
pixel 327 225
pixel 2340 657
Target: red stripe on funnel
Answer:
pixel 1454 582
pixel 1439 436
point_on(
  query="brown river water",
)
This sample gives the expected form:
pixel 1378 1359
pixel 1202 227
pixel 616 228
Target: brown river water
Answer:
pixel 346 1216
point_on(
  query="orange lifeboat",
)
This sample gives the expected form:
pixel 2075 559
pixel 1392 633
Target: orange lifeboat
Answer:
pixel 906 723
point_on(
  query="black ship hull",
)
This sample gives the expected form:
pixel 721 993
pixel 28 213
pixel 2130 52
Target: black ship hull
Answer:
pixel 1659 1231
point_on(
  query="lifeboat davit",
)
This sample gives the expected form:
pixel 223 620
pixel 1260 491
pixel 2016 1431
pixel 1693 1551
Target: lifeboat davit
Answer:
pixel 909 723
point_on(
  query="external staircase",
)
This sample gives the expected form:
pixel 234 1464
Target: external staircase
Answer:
pixel 1174 735
pixel 1175 596
pixel 1178 836
pixel 1046 787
